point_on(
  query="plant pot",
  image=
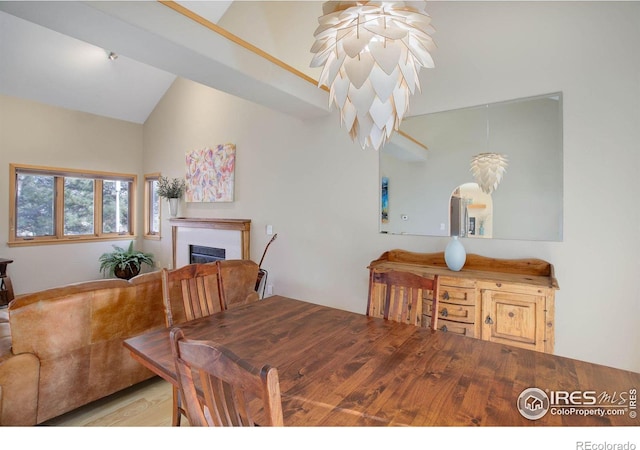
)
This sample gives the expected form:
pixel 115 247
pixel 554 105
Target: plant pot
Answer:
pixel 126 273
pixel 173 207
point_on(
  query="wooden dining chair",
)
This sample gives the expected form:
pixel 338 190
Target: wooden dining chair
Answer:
pixel 188 293
pixel 398 296
pixel 191 292
pixel 238 278
pixel 231 388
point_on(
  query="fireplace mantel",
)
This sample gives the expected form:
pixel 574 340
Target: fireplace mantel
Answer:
pixel 241 225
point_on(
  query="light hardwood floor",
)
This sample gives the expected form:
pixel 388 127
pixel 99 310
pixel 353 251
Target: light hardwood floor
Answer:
pixel 147 404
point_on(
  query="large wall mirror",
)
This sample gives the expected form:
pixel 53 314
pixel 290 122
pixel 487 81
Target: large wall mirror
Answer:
pixel 427 187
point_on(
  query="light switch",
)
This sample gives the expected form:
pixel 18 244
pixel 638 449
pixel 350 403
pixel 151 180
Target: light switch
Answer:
pixel 269 229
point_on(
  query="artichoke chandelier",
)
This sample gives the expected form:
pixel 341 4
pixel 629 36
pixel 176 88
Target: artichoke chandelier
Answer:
pixel 371 53
pixel 488 169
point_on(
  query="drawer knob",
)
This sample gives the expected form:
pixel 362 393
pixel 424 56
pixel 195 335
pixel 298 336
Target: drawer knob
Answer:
pixel 444 328
pixel 488 320
pixel 444 312
pixel 445 295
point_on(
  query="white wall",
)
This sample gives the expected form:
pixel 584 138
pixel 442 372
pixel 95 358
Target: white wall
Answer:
pixel 320 191
pixel 38 134
pixel 496 51
pixel 314 186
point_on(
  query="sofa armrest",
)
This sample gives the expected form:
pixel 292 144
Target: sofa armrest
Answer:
pixel 19 377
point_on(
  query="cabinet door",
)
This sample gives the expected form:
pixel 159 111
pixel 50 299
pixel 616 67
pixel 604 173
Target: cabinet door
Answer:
pixel 513 318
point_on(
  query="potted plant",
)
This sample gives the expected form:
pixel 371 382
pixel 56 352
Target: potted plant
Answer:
pixel 123 263
pixel 171 189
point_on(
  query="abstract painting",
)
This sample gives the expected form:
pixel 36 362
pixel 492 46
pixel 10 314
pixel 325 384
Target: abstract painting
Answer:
pixel 384 207
pixel 210 174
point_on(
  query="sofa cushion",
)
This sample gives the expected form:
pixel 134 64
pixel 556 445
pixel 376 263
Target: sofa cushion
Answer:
pixel 238 281
pixel 19 375
pixel 53 326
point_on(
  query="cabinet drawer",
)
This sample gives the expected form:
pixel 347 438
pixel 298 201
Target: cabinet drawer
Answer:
pixel 457 295
pixel 457 282
pixel 464 329
pixel 449 311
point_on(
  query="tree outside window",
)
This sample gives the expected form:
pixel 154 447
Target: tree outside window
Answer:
pixel 151 206
pixel 54 205
pixel 35 205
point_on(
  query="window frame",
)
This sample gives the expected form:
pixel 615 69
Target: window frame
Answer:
pixel 59 175
pixel 148 233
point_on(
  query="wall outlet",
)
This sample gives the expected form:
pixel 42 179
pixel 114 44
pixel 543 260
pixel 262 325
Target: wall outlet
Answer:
pixel 269 229
pixel 269 289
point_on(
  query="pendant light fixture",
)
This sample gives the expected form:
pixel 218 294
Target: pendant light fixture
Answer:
pixel 371 53
pixel 488 168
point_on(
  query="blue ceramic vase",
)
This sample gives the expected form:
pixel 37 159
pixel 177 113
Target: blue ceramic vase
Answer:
pixel 454 254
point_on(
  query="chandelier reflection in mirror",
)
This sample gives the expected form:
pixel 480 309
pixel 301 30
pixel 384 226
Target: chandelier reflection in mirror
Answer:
pixel 371 53
pixel 488 170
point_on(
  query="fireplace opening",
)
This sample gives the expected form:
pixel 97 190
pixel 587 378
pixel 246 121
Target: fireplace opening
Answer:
pixel 202 254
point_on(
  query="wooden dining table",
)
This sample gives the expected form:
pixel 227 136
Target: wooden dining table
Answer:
pixel 340 368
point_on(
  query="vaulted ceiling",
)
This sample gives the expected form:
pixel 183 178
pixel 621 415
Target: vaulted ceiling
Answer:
pixel 56 53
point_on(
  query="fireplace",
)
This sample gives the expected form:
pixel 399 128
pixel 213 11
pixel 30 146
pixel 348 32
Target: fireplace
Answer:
pixel 214 239
pixel 203 254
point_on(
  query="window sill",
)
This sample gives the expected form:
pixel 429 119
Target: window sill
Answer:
pixel 68 240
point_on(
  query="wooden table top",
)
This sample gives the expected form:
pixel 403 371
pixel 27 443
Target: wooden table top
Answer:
pixel 339 368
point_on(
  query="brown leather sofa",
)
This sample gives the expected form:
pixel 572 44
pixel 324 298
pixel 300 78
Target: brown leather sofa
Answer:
pixel 61 348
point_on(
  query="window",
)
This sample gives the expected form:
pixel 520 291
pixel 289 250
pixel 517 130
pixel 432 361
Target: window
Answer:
pixel 151 206
pixel 58 205
pixel 79 196
pixel 115 206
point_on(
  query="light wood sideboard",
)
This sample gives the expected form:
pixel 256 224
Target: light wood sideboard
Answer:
pixel 509 301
